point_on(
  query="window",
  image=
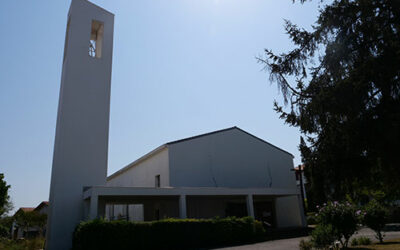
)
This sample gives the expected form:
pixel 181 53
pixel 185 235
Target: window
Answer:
pixel 96 39
pixel 158 181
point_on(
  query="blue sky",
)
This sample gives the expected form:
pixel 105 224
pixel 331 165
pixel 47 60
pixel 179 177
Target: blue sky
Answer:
pixel 180 68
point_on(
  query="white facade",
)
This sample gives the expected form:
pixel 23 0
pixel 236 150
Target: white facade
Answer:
pixel 142 172
pixel 230 158
pixel 81 140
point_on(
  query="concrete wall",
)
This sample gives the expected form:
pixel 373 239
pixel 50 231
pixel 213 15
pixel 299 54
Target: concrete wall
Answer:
pixel 143 173
pixel 81 140
pixel 288 212
pixel 231 158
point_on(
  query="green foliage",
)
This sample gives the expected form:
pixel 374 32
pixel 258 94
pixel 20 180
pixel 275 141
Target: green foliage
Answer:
pixel 6 221
pixel 5 204
pixel 394 214
pixel 360 241
pixel 342 81
pixel 375 217
pixel 312 218
pixel 4 231
pixel 341 217
pixel 305 245
pixel 5 226
pixel 322 236
pixel 165 234
pixel 306 204
pixel 31 219
pixel 22 244
pixel 354 242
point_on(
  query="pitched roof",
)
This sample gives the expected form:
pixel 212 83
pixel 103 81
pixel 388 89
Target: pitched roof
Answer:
pixel 24 210
pixel 43 203
pixel 144 157
pixel 27 209
pixel 227 129
pixel 202 135
pixel 151 153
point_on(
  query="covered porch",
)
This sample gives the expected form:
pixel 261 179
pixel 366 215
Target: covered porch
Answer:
pixel 274 207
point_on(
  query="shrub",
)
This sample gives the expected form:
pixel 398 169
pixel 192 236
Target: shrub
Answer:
pixel 394 214
pixel 375 216
pixel 165 234
pixel 312 219
pixel 5 226
pixel 354 242
pixel 360 241
pixel 35 243
pixel 343 219
pixel 322 236
pixel 4 231
pixel 305 245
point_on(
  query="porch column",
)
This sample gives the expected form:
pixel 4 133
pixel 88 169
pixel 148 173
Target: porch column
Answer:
pixel 182 206
pixel 94 203
pixel 250 206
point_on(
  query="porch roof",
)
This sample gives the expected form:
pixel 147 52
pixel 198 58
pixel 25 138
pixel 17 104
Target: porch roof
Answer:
pixel 177 191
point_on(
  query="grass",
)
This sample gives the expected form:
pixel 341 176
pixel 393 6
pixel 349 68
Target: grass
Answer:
pixel 390 244
pixel 359 241
pixel 22 244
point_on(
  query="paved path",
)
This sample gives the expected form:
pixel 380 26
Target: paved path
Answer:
pixel 286 244
pixel 293 243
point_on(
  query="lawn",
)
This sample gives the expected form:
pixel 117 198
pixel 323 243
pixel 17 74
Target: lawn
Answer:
pixel 390 244
pixel 22 244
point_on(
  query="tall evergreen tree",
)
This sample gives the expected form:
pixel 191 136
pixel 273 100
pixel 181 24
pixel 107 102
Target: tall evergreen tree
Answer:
pixel 341 88
pixel 5 204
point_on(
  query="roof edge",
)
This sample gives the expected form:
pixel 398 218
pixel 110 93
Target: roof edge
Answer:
pixel 41 204
pixel 201 135
pixel 258 138
pixel 160 148
pixel 141 159
pixel 227 129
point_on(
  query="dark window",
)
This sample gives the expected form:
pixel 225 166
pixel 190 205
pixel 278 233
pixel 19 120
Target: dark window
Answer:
pixel 158 181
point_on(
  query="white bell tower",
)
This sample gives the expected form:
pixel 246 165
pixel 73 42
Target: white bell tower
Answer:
pixel 81 141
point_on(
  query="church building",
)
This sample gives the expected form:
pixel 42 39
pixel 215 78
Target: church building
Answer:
pixel 223 173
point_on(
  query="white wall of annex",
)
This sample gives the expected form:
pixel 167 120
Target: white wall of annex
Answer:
pixel 288 211
pixel 231 158
pixel 143 174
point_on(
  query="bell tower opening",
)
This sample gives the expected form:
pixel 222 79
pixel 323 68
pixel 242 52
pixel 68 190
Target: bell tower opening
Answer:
pixel 96 39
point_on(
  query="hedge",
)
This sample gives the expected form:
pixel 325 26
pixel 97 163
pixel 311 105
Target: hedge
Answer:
pixel 166 234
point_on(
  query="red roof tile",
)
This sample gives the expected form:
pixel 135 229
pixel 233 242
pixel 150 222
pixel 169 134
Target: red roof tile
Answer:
pixel 27 209
pixel 43 203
